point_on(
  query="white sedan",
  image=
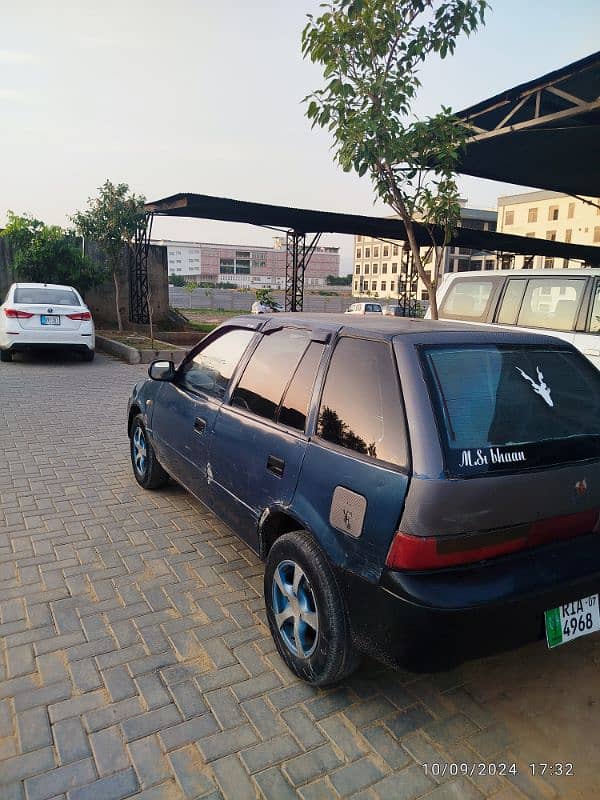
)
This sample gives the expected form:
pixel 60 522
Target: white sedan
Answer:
pixel 44 315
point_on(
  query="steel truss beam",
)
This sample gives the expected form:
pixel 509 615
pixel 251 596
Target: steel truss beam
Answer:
pixel 298 256
pixel 138 272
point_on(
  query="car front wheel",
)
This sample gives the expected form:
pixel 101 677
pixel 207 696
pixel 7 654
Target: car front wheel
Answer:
pixel 148 472
pixel 306 612
pixel 6 355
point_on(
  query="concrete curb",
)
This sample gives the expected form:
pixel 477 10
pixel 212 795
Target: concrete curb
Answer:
pixel 134 356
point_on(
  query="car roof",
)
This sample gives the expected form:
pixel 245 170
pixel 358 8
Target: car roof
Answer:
pixel 425 330
pixel 42 286
pixel 528 273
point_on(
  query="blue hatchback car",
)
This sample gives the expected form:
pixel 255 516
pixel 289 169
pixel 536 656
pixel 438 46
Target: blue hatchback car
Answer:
pixel 423 492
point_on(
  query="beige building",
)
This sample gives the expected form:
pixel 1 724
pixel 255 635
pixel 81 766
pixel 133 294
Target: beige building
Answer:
pixel 548 215
pixel 382 268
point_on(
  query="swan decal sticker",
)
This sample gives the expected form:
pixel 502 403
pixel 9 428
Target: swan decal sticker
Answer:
pixel 540 388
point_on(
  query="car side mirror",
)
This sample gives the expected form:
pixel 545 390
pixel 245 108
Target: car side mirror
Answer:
pixel 162 370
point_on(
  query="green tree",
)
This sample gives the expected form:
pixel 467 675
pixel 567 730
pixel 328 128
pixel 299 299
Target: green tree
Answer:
pixel 48 254
pixel 265 296
pixel 177 280
pixel 111 220
pixel 339 280
pixel 190 287
pixel 371 52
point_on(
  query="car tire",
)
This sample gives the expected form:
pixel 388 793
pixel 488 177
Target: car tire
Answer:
pixel 6 355
pixel 148 472
pixel 316 642
pixel 88 355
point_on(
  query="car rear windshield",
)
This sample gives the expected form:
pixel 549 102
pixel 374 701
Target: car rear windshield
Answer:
pixel 45 296
pixel 510 408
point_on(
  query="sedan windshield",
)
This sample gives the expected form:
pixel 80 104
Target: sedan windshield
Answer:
pixel 45 296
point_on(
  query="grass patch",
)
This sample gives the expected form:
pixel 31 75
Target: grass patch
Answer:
pixel 137 341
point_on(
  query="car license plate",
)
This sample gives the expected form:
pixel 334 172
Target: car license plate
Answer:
pixel 572 620
pixel 50 319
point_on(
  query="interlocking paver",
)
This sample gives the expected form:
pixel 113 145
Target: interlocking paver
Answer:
pixel 135 661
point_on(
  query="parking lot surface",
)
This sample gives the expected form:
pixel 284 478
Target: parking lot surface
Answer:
pixel 135 660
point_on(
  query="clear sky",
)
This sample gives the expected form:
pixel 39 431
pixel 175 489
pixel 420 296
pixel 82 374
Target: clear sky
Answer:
pixel 205 96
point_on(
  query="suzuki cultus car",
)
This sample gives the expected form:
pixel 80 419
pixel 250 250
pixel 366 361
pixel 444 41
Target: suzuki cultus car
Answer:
pixel 424 492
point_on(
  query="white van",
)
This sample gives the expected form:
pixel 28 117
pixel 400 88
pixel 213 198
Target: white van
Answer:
pixel 563 302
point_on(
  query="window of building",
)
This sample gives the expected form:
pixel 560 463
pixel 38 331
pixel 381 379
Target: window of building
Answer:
pixel 374 286
pixel 571 211
pixel 375 252
pixel 597 234
pixel 366 269
pixel 269 371
pixel 384 269
pixel 210 370
pixel 568 234
pixel 355 286
pixel 395 250
pixel 528 262
pixel 489 263
pixel 424 296
pixel 551 236
pixel 548 263
pixel 294 406
pixel 367 252
pixel 359 238
pixel 383 286
pixel 361 405
pixel 242 254
pixel 392 286
pixel 375 269
pixel 532 215
pixel 553 212
pixel 358 251
pixel 358 269
pixel 509 217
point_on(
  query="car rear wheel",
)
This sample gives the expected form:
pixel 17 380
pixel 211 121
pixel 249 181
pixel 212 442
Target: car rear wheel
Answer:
pixel 306 611
pixel 148 472
pixel 88 355
pixel 6 355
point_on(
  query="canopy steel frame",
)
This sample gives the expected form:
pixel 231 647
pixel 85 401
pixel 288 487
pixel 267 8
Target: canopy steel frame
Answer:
pixel 298 256
pixel 138 272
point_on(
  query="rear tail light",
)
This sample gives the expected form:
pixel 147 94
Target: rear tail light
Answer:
pixel 82 315
pixel 430 552
pixel 12 313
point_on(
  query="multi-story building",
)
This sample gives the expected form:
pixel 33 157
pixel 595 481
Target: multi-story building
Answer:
pixel 382 268
pixel 548 215
pixel 245 266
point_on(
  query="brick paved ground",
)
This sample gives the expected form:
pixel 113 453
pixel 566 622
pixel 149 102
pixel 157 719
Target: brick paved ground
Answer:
pixel 135 660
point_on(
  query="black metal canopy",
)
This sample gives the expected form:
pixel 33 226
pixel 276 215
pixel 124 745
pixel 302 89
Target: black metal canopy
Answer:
pixel 544 133
pixel 305 221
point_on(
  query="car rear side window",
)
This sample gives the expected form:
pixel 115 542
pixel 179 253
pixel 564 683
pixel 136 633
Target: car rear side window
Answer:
pixel 511 302
pixel 45 296
pixel 294 406
pixel 595 318
pixel 361 408
pixel 210 370
pixel 467 299
pixel 506 407
pixel 551 303
pixel 269 371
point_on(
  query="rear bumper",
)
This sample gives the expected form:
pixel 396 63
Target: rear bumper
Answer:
pixel 25 340
pixel 435 620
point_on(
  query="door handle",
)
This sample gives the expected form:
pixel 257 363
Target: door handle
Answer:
pixel 199 424
pixel 276 465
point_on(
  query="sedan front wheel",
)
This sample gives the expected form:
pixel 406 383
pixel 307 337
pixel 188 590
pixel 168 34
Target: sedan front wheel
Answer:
pixel 148 472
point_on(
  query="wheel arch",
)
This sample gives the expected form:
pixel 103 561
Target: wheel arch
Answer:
pixel 133 412
pixel 273 523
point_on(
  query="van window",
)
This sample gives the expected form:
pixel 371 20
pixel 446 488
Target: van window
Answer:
pixel 269 371
pixel 552 303
pixel 467 299
pixel 506 407
pixel 595 318
pixel 361 408
pixel 210 370
pixel 511 302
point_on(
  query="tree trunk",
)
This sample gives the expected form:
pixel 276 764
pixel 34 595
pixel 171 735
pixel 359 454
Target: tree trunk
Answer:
pixel 117 300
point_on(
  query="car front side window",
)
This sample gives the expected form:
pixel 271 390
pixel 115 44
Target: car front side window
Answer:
pixel 210 369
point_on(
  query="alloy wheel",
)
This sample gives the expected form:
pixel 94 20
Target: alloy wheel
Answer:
pixel 295 609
